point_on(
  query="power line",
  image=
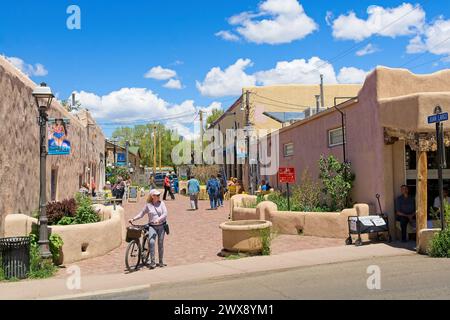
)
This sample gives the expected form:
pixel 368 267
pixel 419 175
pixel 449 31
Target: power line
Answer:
pixel 144 121
pixel 425 63
pixel 425 53
pixel 279 101
pixel 347 51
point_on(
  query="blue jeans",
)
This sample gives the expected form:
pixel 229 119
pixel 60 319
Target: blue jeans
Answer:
pixel 213 200
pixel 153 233
pixel 220 199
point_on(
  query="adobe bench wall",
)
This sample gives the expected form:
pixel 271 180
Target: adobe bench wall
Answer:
pixel 80 241
pixel 318 224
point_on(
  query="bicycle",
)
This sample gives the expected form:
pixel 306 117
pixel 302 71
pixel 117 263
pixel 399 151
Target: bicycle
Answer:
pixel 138 251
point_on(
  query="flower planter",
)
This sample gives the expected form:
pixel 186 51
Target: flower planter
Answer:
pixel 244 236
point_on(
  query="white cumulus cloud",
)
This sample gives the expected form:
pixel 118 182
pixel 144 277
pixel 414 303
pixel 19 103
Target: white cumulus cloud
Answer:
pixel 297 71
pixel 227 35
pixel 228 82
pixel 220 83
pixel 435 39
pixel 406 19
pixel 37 70
pixel 351 75
pixel 173 84
pixel 275 22
pixel 369 49
pixel 160 73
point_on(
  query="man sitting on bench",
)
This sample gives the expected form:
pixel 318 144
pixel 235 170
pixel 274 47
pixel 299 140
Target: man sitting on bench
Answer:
pixel 405 211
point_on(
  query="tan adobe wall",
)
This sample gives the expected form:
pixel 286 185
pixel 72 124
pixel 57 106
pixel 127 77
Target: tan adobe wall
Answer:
pixel 19 147
pixel 80 241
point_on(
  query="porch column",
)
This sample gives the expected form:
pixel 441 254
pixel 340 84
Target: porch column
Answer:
pixel 422 192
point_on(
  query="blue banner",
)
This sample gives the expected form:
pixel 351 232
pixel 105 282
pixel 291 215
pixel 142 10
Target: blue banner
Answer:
pixel 58 142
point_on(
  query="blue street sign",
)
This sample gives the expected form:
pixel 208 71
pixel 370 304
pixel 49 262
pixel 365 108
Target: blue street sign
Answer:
pixel 438 118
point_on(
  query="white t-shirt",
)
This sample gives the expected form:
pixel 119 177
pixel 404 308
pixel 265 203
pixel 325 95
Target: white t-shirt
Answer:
pixel 437 202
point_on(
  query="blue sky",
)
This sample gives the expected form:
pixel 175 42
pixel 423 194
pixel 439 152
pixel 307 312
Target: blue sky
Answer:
pixel 264 42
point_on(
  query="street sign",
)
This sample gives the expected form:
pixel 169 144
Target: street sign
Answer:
pixel 441 117
pixel 287 175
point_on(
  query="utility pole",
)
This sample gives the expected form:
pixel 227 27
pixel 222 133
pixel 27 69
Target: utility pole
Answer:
pixel 160 151
pixel 127 145
pixel 247 140
pixel 322 95
pixel 154 149
pixel 202 133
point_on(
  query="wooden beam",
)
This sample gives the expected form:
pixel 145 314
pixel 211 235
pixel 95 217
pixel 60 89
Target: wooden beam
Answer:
pixel 422 193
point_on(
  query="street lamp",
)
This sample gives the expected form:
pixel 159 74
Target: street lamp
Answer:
pixel 43 96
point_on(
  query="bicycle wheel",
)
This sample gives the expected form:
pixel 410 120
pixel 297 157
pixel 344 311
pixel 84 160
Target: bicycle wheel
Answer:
pixel 145 251
pixel 133 255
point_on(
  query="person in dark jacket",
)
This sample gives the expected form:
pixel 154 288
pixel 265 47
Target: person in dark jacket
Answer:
pixel 222 190
pixel 212 187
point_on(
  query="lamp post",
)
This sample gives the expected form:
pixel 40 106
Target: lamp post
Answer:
pixel 43 96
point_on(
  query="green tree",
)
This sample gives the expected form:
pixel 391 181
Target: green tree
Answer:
pixel 216 114
pixel 337 180
pixel 142 137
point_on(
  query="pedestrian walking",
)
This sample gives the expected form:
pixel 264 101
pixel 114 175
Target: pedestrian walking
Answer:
pixel 193 192
pixel 212 187
pixel 93 188
pixel 222 189
pixel 156 211
pixel 168 188
pixel 119 188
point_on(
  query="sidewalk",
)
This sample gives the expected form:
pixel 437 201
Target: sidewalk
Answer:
pixel 56 288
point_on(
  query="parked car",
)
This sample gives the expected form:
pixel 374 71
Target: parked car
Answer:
pixel 159 179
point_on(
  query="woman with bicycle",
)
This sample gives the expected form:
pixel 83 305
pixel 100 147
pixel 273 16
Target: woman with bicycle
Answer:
pixel 156 211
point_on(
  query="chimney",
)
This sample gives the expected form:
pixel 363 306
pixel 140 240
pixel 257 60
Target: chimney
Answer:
pixel 321 91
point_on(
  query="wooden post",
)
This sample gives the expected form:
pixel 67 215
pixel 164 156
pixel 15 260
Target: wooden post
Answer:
pixel 422 193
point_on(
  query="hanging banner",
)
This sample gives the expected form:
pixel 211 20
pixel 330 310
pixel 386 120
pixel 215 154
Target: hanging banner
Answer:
pixel 58 141
pixel 241 149
pixel 121 160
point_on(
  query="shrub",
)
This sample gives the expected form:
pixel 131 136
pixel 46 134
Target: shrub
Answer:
pixel 203 173
pixel 56 243
pixel 85 213
pixel 66 221
pixel 440 245
pixel 266 240
pixel 2 274
pixel 58 210
pixel 113 174
pixel 337 180
pixel 307 194
pixel 39 268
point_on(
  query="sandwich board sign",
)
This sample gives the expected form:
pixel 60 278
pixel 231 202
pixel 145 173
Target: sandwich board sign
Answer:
pixel 133 194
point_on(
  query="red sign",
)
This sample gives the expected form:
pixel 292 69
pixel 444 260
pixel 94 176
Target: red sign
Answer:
pixel 286 175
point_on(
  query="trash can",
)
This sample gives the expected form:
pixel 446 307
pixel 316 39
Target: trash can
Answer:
pixel 15 257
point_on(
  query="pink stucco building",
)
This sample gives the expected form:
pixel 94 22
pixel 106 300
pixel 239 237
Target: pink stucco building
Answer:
pixel 386 131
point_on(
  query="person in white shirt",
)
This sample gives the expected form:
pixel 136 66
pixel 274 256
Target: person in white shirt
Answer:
pixel 437 201
pixel 156 211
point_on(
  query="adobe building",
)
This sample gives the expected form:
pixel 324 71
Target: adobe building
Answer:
pixel 272 107
pixel 19 148
pixel 387 139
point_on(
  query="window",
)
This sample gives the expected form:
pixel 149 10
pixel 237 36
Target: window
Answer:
pixel 54 184
pixel 288 149
pixel 335 137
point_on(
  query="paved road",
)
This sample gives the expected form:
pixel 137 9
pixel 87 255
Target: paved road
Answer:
pixel 408 277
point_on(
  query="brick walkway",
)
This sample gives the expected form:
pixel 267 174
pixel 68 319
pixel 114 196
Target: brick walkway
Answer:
pixel 195 237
